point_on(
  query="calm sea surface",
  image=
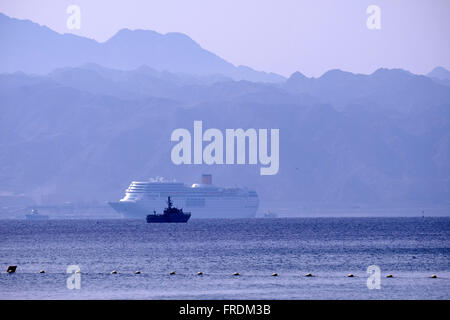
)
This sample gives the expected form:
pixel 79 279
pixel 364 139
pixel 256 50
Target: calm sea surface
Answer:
pixel 412 249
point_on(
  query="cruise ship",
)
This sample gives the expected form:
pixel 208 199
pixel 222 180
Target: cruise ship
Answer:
pixel 204 200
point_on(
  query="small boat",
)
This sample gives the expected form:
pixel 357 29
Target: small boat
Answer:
pixel 35 215
pixel 270 214
pixel 170 215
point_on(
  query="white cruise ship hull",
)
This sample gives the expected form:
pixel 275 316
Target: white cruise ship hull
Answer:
pixel 202 200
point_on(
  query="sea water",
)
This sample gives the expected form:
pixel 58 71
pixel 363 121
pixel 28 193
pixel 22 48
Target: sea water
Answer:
pixel 411 249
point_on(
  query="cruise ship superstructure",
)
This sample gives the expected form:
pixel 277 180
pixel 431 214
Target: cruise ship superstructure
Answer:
pixel 204 200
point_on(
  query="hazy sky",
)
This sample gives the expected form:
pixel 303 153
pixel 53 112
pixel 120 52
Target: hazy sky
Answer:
pixel 281 36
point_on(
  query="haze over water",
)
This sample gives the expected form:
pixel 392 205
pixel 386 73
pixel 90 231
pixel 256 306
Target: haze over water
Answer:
pixel 412 249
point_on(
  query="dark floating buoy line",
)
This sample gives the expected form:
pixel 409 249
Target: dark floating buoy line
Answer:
pixel 12 269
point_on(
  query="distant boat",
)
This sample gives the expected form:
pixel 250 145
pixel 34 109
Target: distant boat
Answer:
pixel 35 215
pixel 170 215
pixel 270 214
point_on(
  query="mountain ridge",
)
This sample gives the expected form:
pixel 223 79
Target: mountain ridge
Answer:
pixel 82 134
pixel 439 73
pixel 38 49
pixel 81 131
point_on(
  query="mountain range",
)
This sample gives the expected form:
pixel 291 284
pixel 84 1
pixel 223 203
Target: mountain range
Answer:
pixel 31 48
pixel 74 129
